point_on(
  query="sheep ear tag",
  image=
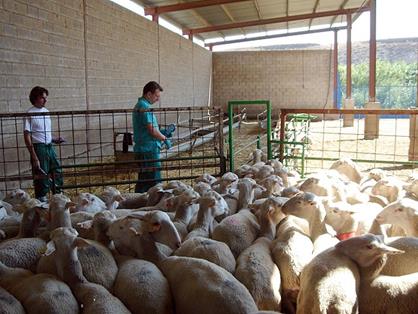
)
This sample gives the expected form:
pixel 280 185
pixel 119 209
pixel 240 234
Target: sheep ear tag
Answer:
pixel 50 248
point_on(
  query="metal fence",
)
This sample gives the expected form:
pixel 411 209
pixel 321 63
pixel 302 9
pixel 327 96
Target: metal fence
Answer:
pixel 393 145
pixel 98 150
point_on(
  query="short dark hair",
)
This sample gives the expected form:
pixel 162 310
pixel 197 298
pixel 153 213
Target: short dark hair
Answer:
pixel 151 87
pixel 36 92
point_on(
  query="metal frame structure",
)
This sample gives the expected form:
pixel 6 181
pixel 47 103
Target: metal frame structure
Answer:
pixel 231 105
pixel 360 149
pixel 89 157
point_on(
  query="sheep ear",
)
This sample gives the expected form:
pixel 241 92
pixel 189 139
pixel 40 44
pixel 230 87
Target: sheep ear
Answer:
pixel 119 198
pixel 72 204
pixel 81 243
pixel 84 202
pixel 50 248
pixel 85 224
pixel 156 226
pixel 260 187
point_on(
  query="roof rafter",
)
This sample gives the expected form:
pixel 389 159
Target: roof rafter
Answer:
pixel 186 6
pixel 276 36
pixel 229 15
pixel 273 20
pixel 341 7
pixel 314 10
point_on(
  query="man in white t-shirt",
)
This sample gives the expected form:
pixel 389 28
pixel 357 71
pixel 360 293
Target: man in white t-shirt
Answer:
pixel 38 140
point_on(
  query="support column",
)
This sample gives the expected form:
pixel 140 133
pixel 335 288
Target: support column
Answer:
pixel 335 68
pixel 371 127
pixel 155 18
pixel 190 36
pixel 348 119
pixel 413 135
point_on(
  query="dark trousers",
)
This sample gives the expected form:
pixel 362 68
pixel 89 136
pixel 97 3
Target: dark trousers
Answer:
pixel 148 175
pixel 49 163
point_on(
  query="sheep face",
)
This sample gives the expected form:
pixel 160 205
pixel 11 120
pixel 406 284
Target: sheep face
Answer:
pixel 16 197
pixel 365 249
pixel 202 188
pixel 205 178
pixel 403 212
pixel 111 196
pixel 302 205
pixel 338 215
pixel 60 202
pixel 89 203
pixel 162 229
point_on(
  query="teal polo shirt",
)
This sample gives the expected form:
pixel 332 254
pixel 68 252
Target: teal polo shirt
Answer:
pixel 144 141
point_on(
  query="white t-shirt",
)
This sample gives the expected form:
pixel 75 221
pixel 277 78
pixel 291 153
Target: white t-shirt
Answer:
pixel 39 126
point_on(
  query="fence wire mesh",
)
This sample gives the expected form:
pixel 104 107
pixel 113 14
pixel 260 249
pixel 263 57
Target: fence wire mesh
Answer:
pixel 98 147
pixel 389 143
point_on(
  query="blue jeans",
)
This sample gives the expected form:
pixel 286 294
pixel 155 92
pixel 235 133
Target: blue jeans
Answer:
pixel 149 171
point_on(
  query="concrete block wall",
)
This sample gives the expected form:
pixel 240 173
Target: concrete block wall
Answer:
pixel 90 54
pixel 289 79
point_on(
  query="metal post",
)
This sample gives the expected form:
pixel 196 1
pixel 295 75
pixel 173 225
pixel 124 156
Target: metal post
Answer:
pixel 372 56
pixel 230 136
pixel 282 126
pixel 349 22
pixel 155 18
pixel 269 151
pixel 335 67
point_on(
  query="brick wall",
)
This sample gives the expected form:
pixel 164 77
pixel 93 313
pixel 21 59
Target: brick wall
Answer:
pixel 289 79
pixel 47 42
pixel 90 54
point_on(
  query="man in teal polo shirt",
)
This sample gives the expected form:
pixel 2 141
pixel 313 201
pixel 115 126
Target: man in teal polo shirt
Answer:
pixel 148 138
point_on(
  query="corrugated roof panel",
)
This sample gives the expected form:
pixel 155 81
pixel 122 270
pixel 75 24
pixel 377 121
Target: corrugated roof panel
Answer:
pixel 243 11
pixel 301 6
pixel 325 21
pixel 329 5
pixel 214 15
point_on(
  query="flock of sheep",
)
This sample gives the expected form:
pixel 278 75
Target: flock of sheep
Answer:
pixel 259 240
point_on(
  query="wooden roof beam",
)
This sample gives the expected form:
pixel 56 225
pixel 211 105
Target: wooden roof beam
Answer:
pixel 186 6
pixel 273 20
pixel 235 41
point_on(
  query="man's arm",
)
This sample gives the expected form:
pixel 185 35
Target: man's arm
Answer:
pixel 29 145
pixel 155 132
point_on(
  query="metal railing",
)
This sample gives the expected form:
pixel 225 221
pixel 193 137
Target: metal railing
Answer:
pixel 393 146
pixel 95 153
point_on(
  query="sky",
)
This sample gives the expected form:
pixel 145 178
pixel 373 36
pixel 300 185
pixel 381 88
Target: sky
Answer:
pixel 395 19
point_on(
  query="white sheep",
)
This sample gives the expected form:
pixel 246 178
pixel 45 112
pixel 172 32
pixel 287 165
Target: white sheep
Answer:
pixel 292 251
pixel 202 187
pixel 205 178
pixel 211 250
pixel 97 263
pixel 133 200
pixel 9 304
pixel 89 203
pixel 391 188
pixel 321 184
pixel 142 287
pixel 255 266
pixel 238 231
pixel 209 208
pixel 16 198
pixel 257 271
pixel 40 293
pixel 94 298
pixel 273 185
pixel 349 220
pixel 308 206
pixel 23 253
pixel 329 283
pixel 380 293
pixel 402 264
pixel 132 233
pixel 186 208
pixel 223 184
pixel 347 167
pixel 402 213
pixel 112 197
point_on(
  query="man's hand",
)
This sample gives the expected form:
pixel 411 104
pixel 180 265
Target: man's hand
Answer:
pixel 58 140
pixel 167 143
pixel 36 166
pixel 168 132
